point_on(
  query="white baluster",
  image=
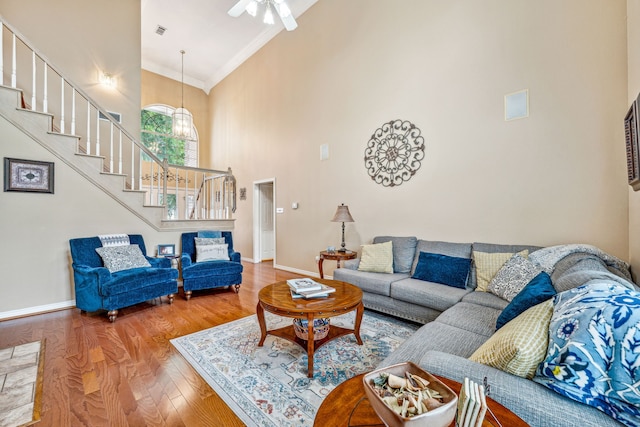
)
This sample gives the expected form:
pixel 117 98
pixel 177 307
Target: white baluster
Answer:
pixel 88 127
pixel 1 54
pixel 139 170
pixel 14 64
pixel 151 183
pixel 45 100
pixel 111 149
pixel 73 110
pixel 133 167
pixel 120 153
pixel 61 104
pixel 98 132
pixel 33 81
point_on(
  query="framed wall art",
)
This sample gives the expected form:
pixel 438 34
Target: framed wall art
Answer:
pixel 30 176
pixel 631 139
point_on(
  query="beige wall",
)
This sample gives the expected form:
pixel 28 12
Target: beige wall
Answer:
pixel 36 228
pixel 633 51
pixel 157 89
pixel 555 177
pixel 80 38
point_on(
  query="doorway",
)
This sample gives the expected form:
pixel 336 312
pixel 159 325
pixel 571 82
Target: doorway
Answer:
pixel 264 224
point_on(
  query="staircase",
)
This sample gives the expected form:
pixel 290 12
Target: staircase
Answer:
pixel 58 115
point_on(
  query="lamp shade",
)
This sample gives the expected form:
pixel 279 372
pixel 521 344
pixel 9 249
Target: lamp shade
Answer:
pixel 342 214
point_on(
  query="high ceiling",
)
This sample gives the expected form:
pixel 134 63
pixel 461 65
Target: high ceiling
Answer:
pixel 215 43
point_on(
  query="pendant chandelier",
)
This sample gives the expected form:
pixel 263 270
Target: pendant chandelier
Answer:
pixel 182 119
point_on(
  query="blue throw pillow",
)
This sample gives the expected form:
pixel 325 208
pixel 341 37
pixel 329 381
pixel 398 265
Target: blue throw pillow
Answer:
pixel 444 269
pixel 538 290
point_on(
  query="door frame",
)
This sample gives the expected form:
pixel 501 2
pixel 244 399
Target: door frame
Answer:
pixel 257 244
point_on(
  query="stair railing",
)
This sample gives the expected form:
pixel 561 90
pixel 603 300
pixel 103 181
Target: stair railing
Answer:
pixel 46 90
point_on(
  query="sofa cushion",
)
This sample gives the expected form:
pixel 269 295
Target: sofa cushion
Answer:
pixel 478 319
pixel 435 336
pixel 428 294
pixel 118 258
pixel 488 264
pixel 444 269
pixel 460 250
pixel 404 250
pixel 513 276
pixel 377 258
pixel 520 346
pixel 486 299
pixel 538 290
pixel 375 283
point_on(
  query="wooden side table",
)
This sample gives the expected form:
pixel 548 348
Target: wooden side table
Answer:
pixel 338 256
pixel 347 406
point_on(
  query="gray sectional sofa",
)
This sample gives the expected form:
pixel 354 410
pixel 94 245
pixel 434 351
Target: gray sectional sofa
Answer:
pixel 458 321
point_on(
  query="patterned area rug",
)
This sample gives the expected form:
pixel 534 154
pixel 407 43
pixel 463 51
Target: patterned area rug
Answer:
pixel 21 369
pixel 268 386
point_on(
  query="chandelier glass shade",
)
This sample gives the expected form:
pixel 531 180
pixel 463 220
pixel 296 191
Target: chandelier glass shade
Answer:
pixel 182 119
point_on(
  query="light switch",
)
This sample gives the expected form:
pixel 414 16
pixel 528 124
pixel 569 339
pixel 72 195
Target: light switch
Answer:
pixel 294 205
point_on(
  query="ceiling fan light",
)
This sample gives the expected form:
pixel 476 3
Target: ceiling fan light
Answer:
pixel 252 8
pixel 268 15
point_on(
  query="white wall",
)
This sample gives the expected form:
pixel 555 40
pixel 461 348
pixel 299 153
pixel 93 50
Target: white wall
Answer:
pixel 555 177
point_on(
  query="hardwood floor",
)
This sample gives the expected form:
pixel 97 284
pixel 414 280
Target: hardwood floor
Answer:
pixel 127 373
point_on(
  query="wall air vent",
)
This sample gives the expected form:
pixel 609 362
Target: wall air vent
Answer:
pixel 160 30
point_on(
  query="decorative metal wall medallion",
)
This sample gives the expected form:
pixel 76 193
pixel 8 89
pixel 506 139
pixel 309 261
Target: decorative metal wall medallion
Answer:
pixel 394 153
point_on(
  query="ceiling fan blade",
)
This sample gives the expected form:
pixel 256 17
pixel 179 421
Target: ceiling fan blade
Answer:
pixel 285 15
pixel 239 8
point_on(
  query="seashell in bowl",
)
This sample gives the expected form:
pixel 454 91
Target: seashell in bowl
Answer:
pixel 439 402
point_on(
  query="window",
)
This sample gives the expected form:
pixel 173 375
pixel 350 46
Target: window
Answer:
pixel 156 136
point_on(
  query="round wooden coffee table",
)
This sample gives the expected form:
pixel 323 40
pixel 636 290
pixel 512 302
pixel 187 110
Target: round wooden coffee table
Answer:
pixel 347 406
pixel 276 299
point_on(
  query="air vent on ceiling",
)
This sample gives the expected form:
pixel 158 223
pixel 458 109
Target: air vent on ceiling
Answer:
pixel 160 30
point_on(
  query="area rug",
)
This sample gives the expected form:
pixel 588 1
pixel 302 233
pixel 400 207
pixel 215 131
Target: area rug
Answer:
pixel 268 386
pixel 21 371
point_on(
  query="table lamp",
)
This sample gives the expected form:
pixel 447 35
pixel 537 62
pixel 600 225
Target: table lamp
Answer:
pixel 342 215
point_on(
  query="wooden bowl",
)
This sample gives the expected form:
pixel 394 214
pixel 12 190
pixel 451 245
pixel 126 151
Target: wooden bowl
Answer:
pixel 439 417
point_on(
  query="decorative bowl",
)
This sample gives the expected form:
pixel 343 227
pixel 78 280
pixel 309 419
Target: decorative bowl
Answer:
pixel 438 417
pixel 320 328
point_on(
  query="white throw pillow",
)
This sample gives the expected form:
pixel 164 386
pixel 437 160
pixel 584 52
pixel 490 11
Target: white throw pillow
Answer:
pixel 212 253
pixel 118 258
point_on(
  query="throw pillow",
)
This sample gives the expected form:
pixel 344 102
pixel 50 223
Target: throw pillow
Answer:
pixel 538 290
pixel 209 241
pixel 593 354
pixel 513 277
pixel 377 258
pixel 212 252
pixel 521 345
pixel 487 265
pixel 118 258
pixel 404 250
pixel 444 269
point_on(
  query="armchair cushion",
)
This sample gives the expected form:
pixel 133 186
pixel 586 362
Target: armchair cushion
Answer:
pixel 118 258
pixel 126 280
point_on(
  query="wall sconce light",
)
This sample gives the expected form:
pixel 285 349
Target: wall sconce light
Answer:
pixel 108 80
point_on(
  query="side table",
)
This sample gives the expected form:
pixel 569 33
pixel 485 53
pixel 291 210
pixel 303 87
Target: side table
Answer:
pixel 338 256
pixel 347 406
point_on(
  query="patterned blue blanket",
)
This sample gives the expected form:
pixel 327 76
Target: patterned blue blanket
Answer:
pixel 594 349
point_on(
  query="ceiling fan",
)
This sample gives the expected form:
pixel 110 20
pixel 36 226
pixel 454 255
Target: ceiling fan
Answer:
pixel 251 7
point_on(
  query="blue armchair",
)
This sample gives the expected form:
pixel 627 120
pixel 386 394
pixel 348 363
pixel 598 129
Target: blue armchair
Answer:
pixel 99 289
pixel 208 274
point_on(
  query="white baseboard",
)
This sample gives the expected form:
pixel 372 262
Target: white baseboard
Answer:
pixel 301 272
pixel 39 309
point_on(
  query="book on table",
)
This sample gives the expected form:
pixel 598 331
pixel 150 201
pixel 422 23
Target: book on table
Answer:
pixel 324 291
pixel 304 284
